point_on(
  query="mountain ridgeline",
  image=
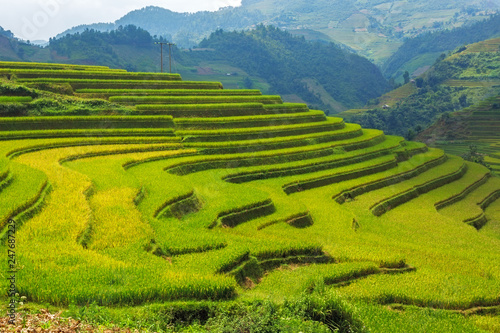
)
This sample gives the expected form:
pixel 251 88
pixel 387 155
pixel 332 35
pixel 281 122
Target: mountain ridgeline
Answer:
pixel 186 29
pixel 373 28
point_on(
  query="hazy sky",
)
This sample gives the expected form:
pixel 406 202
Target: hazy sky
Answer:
pixel 42 19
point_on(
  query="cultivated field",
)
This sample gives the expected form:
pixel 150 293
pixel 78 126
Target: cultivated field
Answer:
pixel 477 125
pixel 186 197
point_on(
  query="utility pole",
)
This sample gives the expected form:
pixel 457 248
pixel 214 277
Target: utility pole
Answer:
pixel 169 56
pixel 161 57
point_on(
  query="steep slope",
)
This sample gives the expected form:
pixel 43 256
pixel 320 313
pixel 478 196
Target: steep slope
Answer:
pixel 287 62
pixel 421 51
pixel 231 209
pixel 476 125
pixel 463 78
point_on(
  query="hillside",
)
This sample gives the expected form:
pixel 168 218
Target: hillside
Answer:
pixel 292 64
pixel 476 125
pixel 417 53
pixel 375 29
pixel 463 78
pixel 265 58
pixel 150 202
pixel 12 49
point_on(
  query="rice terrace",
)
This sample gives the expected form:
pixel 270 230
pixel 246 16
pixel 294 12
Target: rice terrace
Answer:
pixel 171 205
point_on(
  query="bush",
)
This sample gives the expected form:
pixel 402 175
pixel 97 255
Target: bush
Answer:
pixel 263 316
pixel 57 88
pixel 9 89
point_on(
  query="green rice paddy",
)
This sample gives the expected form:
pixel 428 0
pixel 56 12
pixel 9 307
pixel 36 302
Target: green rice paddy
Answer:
pixel 214 205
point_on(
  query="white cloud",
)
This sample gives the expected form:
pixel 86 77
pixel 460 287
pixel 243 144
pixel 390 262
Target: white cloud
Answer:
pixel 42 19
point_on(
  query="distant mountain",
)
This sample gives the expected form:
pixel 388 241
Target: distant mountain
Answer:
pixel 373 28
pixel 185 29
pixel 6 33
pixel 12 49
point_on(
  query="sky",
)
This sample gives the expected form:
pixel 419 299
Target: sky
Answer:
pixel 41 19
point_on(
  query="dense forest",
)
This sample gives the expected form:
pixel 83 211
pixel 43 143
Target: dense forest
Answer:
pixel 97 47
pixel 373 28
pixel 415 113
pixel 287 62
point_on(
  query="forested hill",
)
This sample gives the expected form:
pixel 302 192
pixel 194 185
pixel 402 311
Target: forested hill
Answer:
pixel 432 44
pixel 293 64
pixel 185 29
pixel 6 33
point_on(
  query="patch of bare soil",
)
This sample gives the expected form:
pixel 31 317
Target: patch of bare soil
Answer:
pixel 46 322
pixel 205 71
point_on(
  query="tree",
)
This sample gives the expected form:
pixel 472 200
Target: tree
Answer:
pixel 419 82
pixel 463 100
pixel 406 77
pixel 474 156
pixel 410 135
pixel 248 83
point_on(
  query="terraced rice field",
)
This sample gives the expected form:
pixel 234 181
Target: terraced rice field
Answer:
pixel 199 194
pixel 480 124
pixel 472 84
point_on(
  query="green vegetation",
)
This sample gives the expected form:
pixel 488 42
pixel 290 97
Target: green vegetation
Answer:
pixel 136 100
pixel 26 99
pixel 83 74
pixel 276 57
pixel 106 93
pixel 347 79
pixel 240 216
pixel 456 81
pixel 251 121
pixel 80 122
pixel 119 84
pixel 51 66
pixel 471 133
pixel 374 29
pixel 438 43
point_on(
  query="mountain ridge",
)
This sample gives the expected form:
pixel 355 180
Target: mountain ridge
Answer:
pixel 374 29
